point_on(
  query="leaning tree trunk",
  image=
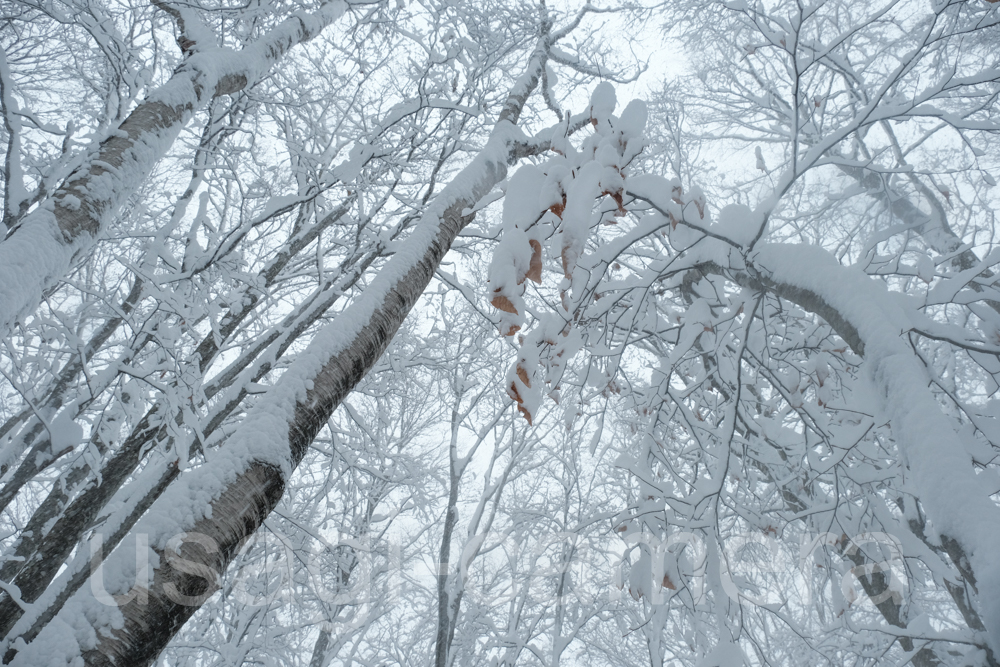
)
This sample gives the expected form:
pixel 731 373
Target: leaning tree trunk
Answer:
pixel 213 509
pixel 43 248
pixel 872 322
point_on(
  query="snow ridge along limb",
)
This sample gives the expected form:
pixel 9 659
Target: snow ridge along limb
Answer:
pixel 43 248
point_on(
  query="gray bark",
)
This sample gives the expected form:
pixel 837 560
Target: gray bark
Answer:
pixel 247 500
pixel 49 239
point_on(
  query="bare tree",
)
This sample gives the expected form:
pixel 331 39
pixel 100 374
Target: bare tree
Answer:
pixel 187 351
pixel 295 370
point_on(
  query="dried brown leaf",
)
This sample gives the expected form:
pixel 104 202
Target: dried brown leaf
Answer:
pixel 523 374
pixel 500 302
pixel 535 268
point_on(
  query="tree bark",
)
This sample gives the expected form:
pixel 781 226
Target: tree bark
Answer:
pixel 872 324
pixel 49 240
pixel 247 478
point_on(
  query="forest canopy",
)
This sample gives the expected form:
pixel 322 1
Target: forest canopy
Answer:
pixel 436 332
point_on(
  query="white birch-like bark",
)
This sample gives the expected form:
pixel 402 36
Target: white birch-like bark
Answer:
pixel 874 323
pixel 44 247
pixel 226 499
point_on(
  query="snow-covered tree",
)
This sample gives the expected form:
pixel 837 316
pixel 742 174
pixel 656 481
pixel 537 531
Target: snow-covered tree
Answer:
pixel 806 340
pixel 384 332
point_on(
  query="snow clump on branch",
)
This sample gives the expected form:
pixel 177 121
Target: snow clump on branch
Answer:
pixel 549 210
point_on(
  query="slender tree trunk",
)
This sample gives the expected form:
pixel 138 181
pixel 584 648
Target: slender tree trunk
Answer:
pixel 47 242
pixel 244 482
pixel 872 323
pixel 446 620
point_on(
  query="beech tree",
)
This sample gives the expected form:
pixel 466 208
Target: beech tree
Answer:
pixel 386 333
pixel 791 350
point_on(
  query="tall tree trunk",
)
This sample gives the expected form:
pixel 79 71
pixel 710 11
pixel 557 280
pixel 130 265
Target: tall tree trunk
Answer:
pixel 871 322
pixel 49 239
pixel 220 504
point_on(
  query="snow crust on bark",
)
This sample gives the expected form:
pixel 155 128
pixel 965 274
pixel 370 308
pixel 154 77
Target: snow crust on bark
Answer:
pixel 43 248
pixel 262 443
pixel 941 471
